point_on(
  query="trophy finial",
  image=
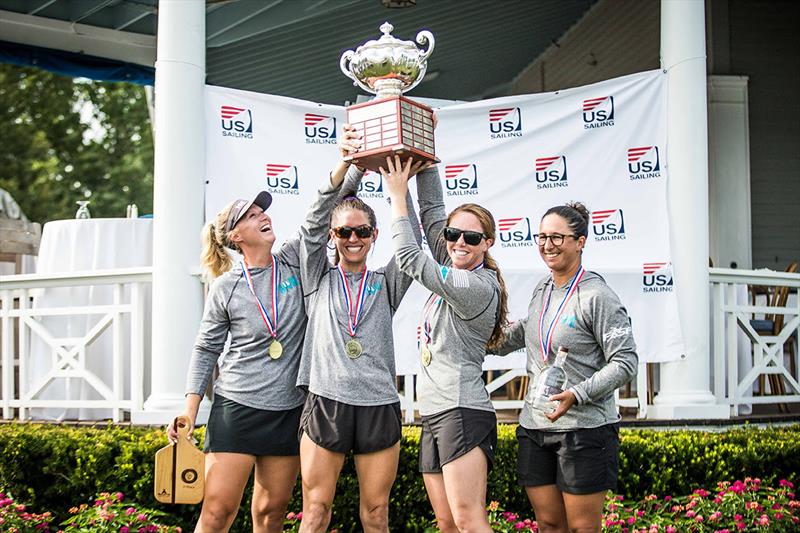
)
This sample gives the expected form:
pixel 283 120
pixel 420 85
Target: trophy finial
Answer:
pixel 386 28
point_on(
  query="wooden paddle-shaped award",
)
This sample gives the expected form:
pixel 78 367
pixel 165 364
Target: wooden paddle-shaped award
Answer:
pixel 180 469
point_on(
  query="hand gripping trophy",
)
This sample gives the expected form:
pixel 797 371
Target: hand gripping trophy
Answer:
pixel 391 123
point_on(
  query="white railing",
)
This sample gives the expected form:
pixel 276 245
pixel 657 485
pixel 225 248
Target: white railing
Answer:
pixel 26 319
pixel 741 354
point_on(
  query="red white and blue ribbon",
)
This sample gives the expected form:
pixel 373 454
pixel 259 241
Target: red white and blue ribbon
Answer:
pixel 545 341
pixel 271 326
pixel 354 309
pixel 427 313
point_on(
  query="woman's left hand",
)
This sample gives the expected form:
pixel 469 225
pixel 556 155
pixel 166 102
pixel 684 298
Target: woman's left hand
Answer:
pixel 565 401
pixel 398 173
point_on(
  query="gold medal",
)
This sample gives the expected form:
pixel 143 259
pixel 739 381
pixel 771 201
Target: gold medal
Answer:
pixel 275 349
pixel 353 349
pixel 426 356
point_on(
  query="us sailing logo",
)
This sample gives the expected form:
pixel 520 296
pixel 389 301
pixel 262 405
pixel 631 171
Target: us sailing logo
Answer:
pixel 319 129
pixel 551 172
pixel 644 163
pixel 371 185
pixel 608 225
pixel 461 180
pixel 505 122
pixel 282 179
pixel 515 232
pixel 236 122
pixel 657 277
pixel 598 112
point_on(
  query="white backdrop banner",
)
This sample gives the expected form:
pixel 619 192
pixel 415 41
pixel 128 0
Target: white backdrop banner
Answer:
pixel 602 144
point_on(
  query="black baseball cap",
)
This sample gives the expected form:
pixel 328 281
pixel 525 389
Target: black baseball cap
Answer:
pixel 240 207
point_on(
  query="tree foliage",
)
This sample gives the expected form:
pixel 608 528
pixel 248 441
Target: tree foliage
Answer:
pixel 65 139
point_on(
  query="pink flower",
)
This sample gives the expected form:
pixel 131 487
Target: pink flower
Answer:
pixel 740 526
pixel 778 516
pixel 119 496
pixel 124 529
pixel 699 518
pixel 782 483
pixel 667 498
pixel 519 525
pixel 631 520
pixel 290 516
pixel 493 506
pixel 129 511
pixel 141 517
pixel 714 516
pixel 763 520
pixel 671 529
pixel 737 517
pixel 299 516
pixel 690 514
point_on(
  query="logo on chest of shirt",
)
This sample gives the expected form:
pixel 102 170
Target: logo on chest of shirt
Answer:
pixel 570 320
pixel 373 288
pixel 287 285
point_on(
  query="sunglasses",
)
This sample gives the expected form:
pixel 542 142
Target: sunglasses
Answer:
pixel 362 232
pixel 473 238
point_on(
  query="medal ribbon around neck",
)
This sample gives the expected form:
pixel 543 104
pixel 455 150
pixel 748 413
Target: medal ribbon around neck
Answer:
pixel 354 310
pixel 272 327
pixel 544 342
pixel 434 301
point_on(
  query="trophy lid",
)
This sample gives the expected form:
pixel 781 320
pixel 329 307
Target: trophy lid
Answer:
pixel 386 40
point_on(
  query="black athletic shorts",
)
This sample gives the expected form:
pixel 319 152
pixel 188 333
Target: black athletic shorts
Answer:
pixel 236 428
pixel 448 435
pixel 582 461
pixel 341 427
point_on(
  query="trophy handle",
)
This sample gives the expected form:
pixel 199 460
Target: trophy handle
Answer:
pixel 426 37
pixel 423 37
pixel 345 66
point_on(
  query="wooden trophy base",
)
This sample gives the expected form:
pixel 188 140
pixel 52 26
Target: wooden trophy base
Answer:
pixel 392 126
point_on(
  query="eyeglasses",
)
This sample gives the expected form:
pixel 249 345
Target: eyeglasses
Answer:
pixel 473 238
pixel 556 238
pixel 362 232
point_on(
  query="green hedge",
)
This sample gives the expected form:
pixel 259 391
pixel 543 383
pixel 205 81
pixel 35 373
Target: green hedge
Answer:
pixel 55 467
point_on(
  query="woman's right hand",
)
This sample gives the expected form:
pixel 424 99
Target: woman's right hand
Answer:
pixel 349 141
pixel 172 431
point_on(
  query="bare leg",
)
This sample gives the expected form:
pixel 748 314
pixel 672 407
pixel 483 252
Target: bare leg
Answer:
pixel 584 511
pixel 437 494
pixel 465 479
pixel 320 469
pixel 376 474
pixel 274 480
pixel 548 504
pixel 226 477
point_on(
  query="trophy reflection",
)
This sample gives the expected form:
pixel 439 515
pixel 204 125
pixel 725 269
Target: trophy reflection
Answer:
pixel 391 123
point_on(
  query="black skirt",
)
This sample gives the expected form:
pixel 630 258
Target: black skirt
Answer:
pixel 236 428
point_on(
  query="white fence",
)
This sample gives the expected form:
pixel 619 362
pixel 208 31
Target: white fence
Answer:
pixel 27 320
pixel 743 353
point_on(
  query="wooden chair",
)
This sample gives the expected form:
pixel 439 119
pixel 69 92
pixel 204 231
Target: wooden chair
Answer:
pixel 772 324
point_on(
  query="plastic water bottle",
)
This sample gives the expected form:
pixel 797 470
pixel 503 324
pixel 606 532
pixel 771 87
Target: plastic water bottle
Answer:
pixel 552 381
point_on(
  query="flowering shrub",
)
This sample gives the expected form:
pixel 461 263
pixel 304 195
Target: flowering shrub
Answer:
pixel 15 519
pixel 110 514
pixel 739 506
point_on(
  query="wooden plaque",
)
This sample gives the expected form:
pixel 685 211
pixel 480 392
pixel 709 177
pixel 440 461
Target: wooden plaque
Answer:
pixel 180 469
pixel 389 126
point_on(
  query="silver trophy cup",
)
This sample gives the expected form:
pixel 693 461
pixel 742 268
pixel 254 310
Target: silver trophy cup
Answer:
pixel 391 124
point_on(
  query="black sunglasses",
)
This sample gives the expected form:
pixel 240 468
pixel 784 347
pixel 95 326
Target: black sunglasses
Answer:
pixel 362 232
pixel 473 238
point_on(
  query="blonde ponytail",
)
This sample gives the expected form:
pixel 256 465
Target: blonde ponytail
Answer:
pixel 214 258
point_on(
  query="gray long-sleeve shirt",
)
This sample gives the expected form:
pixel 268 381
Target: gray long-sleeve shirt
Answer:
pixel 247 375
pixel 462 324
pixel 595 327
pixel 325 369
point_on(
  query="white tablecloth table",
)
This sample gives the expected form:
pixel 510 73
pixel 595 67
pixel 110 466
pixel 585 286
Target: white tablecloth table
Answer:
pixel 85 245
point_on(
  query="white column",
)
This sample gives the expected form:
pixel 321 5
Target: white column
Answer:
pixel 177 202
pixel 685 385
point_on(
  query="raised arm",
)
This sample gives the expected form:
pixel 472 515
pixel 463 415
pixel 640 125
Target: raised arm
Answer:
pixel 432 212
pixel 469 293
